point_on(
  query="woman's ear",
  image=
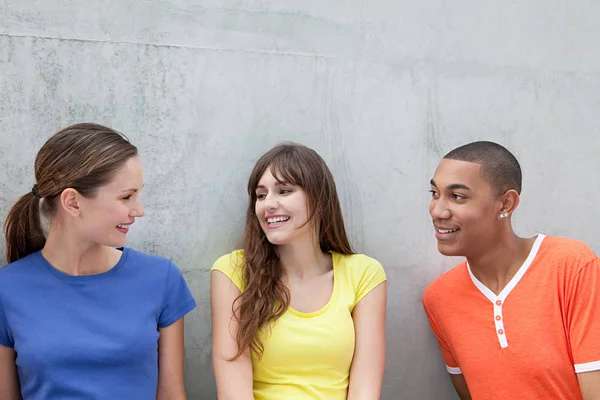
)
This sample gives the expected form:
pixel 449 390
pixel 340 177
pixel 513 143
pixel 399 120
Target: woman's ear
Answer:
pixel 69 201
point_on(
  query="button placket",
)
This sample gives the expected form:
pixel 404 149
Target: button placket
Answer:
pixel 499 323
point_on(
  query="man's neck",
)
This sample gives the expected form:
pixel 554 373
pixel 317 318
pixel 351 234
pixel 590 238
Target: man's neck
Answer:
pixel 497 266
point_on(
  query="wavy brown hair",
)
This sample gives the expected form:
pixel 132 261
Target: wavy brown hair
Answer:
pixel 83 157
pixel 265 298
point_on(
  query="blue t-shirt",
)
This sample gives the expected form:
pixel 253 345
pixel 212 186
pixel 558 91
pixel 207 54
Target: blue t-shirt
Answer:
pixel 90 337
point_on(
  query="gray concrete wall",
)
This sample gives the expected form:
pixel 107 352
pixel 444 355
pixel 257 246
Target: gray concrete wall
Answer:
pixel 381 88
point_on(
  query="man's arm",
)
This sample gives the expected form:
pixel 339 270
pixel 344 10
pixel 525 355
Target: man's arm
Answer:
pixel 584 328
pixel 460 384
pixel 458 379
pixel 589 382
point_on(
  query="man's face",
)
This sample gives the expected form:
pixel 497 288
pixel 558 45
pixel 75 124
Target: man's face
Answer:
pixel 463 208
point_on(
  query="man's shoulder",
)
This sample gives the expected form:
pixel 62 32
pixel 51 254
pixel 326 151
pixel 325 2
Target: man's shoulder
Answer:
pixel 568 246
pixel 449 283
pixel 566 252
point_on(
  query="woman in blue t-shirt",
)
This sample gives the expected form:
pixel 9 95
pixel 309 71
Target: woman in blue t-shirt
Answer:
pixel 82 316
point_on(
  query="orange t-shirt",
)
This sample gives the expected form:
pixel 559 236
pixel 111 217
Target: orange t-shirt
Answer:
pixel 530 341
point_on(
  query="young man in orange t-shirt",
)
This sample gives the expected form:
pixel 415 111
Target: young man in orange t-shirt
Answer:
pixel 520 318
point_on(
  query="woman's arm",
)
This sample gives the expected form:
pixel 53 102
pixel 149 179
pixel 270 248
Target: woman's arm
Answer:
pixel 234 378
pixel 9 380
pixel 170 363
pixel 366 372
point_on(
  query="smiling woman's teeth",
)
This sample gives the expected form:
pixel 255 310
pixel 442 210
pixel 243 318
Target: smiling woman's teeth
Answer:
pixel 276 219
pixel 122 226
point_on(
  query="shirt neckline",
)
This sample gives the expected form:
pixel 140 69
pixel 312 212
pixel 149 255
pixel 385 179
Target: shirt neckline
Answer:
pixel 41 261
pixel 491 296
pixel 334 262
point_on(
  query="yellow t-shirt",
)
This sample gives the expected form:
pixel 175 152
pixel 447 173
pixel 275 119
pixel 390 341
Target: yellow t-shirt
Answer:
pixel 308 355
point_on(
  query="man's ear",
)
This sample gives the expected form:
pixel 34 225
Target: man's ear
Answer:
pixel 510 200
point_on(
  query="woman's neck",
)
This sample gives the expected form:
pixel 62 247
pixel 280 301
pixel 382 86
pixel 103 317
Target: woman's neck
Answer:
pixel 303 260
pixel 72 256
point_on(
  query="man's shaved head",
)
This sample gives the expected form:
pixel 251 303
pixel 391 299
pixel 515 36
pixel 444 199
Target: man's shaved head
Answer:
pixel 498 165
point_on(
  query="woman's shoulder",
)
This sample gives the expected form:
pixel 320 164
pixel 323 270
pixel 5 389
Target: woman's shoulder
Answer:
pixel 153 269
pixel 149 261
pixel 232 265
pixel 356 262
pixel 234 259
pixel 359 273
pixel 19 271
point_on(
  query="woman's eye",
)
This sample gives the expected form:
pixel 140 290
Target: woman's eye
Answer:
pixel 457 196
pixel 260 196
pixel 127 197
pixel 285 191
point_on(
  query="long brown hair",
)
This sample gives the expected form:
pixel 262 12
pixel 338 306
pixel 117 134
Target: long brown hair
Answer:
pixel 83 157
pixel 265 298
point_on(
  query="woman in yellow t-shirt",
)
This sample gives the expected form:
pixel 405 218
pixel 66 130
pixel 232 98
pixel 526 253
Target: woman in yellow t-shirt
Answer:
pixel 296 314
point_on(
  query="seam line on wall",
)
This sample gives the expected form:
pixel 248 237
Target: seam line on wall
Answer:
pixel 169 45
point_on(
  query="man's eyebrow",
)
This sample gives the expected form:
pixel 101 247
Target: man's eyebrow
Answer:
pixel 453 186
pixel 458 186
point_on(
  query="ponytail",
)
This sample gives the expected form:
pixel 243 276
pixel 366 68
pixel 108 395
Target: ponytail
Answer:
pixel 23 228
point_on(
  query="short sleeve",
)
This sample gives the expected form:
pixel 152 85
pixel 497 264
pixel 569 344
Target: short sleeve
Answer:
pixel 6 339
pixel 451 363
pixel 584 318
pixel 372 274
pixel 232 265
pixel 178 299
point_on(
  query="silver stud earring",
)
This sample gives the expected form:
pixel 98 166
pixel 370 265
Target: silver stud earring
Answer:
pixel 504 215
